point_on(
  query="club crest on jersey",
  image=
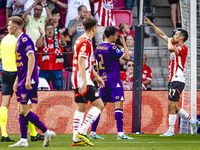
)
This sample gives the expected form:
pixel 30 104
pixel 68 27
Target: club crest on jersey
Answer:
pixel 83 48
pixel 179 48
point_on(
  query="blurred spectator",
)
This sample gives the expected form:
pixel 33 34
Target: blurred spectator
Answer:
pixel 50 55
pixel 72 7
pixel 57 24
pixel 4 3
pixel 103 12
pixel 130 4
pixel 17 7
pixel 130 40
pixel 2 35
pixel 68 56
pixel 175 13
pixel 127 77
pixel 50 5
pixel 35 21
pixel 43 84
pixel 29 3
pixel 75 26
pixel 125 30
pixel 146 74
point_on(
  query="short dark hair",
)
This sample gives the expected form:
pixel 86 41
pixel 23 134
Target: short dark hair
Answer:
pixel 89 22
pixel 49 24
pixel 39 4
pixel 55 11
pixel 110 30
pixel 2 32
pixel 128 61
pixel 118 42
pixel 183 33
pixel 80 7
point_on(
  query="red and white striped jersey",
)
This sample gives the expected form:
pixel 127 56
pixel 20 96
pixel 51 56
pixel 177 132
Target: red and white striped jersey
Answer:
pixel 103 12
pixel 177 64
pixel 82 48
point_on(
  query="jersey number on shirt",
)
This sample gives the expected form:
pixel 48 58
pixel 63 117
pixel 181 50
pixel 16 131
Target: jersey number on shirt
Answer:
pixel 101 62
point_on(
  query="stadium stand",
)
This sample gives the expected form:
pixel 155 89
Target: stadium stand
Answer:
pixel 122 16
pixel 119 5
pixel 3 19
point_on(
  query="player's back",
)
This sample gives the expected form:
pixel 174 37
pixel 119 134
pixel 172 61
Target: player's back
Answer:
pixel 107 57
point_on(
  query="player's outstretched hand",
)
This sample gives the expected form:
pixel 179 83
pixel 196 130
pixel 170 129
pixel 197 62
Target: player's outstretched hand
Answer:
pixel 147 21
pixel 100 82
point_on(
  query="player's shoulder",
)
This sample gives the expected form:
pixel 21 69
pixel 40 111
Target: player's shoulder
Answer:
pixel 182 47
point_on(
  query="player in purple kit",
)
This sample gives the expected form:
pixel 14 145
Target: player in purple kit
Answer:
pixel 26 82
pixel 107 56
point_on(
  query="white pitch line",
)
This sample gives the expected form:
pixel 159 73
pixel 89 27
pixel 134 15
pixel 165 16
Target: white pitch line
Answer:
pixel 142 142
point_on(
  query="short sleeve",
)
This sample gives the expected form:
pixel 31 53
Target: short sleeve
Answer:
pixel 28 45
pixel 71 23
pixel 116 52
pixel 182 50
pixel 9 3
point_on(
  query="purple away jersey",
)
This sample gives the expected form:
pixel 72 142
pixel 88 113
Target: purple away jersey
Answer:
pixel 107 57
pixel 23 48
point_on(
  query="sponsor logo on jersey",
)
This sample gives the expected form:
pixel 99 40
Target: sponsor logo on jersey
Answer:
pixel 117 50
pixel 24 39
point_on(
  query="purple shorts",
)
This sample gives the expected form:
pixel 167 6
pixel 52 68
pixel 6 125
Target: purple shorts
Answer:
pixel 112 95
pixel 25 96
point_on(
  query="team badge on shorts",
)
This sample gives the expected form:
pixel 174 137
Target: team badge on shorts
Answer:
pixel 23 96
pixel 96 94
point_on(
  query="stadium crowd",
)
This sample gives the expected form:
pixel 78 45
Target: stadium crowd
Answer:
pixel 54 60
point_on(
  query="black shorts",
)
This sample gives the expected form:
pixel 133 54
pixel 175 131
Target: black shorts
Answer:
pixel 174 90
pixel 173 1
pixel 8 81
pixel 90 94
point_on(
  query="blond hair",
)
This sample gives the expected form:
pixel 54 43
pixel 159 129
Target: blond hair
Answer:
pixel 122 25
pixel 17 20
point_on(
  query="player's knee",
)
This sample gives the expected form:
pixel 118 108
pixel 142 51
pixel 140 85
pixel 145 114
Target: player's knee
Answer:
pixel 171 107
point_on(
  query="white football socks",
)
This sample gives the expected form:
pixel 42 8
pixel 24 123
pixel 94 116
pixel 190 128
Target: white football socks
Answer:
pixel 183 114
pixel 172 120
pixel 89 119
pixel 77 121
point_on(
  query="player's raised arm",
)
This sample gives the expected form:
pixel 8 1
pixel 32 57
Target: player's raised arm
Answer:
pixel 126 52
pixel 156 29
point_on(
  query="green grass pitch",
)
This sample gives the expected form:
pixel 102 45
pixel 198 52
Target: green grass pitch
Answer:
pixel 141 142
